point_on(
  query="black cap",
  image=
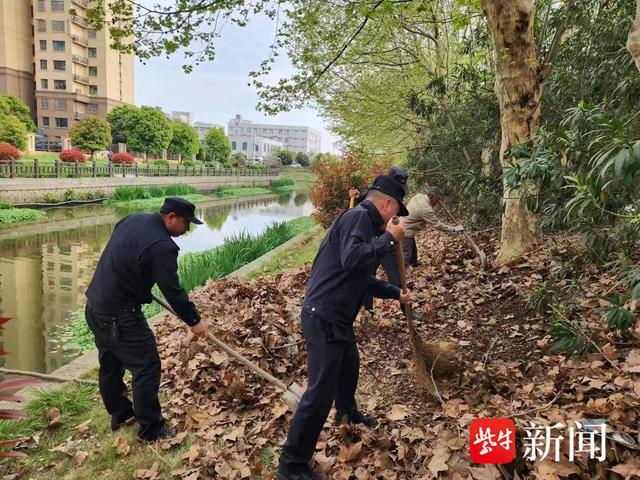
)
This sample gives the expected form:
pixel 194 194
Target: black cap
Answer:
pixel 181 207
pixel 393 188
pixel 401 176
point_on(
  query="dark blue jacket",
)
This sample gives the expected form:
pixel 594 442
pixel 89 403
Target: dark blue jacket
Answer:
pixel 140 253
pixel 345 266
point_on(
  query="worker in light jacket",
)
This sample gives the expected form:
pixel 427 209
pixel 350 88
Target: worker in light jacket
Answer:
pixel 422 216
pixel 342 273
pixel 139 254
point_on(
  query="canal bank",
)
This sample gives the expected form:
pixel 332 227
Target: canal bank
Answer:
pixel 43 274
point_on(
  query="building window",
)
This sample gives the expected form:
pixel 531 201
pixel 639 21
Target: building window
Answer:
pixel 41 25
pixel 57 25
pixel 43 44
pixel 44 103
pixel 92 33
pixel 62 122
pixel 43 64
pixel 257 148
pixel 45 121
pixel 58 46
pixel 60 104
pixel 59 65
pixel 44 83
pixel 41 5
pixel 93 71
pixel 244 146
pixel 57 5
pixel 93 52
pixel 92 108
pixel 233 145
pixel 60 84
pixel 93 90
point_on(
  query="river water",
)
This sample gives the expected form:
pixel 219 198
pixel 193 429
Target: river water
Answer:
pixel 46 268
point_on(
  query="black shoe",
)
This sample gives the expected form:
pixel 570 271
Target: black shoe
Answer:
pixel 357 417
pixel 306 474
pixel 166 431
pixel 117 426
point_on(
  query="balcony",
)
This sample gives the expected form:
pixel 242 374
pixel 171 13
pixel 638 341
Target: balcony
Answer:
pixel 79 40
pixel 81 96
pixel 79 21
pixel 82 3
pixel 81 79
pixel 81 60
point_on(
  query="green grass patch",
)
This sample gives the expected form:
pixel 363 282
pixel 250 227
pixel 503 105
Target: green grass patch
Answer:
pixel 127 193
pixel 78 404
pixel 154 203
pixel 240 191
pixel 298 175
pixel 18 215
pixel 291 258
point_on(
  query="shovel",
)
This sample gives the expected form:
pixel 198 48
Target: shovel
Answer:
pixel 481 255
pixel 292 394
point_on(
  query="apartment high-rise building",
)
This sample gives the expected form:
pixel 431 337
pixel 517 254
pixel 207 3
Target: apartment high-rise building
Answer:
pixel 73 72
pixel 292 137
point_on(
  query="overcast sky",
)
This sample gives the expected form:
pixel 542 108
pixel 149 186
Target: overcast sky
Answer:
pixel 214 92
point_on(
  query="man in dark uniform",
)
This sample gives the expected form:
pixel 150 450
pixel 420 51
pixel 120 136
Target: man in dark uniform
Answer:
pixel 140 253
pixel 389 262
pixel 342 272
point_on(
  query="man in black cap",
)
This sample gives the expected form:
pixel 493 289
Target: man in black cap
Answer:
pixel 140 253
pixel 389 262
pixel 342 272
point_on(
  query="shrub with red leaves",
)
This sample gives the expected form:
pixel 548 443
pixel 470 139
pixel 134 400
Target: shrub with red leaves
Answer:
pixel 123 157
pixel 335 176
pixel 9 152
pixel 72 156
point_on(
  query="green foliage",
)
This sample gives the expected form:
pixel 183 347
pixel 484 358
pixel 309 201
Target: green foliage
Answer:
pixel 280 184
pixel 566 337
pixel 91 134
pixel 333 179
pixel 122 119
pixel 10 105
pixel 185 140
pixel 13 131
pixel 238 159
pixel 541 296
pixel 216 145
pixel 161 163
pixel 150 131
pixel 617 315
pixel 286 157
pixel 187 163
pixel 127 193
pixel 75 333
pixel 302 158
pixel 16 215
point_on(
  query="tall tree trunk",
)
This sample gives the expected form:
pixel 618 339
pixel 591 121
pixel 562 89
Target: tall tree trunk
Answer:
pixel 633 42
pixel 518 89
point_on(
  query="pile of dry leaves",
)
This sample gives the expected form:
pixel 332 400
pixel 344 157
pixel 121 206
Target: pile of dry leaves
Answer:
pixel 504 370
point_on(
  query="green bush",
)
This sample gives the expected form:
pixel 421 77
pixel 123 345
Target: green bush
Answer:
pixel 161 163
pixel 188 163
pixel 69 194
pixel 15 215
pixel 284 182
pixel 179 189
pixel 126 193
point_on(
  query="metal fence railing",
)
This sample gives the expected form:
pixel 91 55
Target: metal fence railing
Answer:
pixel 58 169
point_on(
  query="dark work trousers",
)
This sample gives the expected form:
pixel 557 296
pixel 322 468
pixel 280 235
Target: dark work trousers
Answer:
pixel 333 365
pixel 389 263
pixel 410 251
pixel 125 341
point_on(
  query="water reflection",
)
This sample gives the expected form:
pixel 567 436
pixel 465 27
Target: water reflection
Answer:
pixel 43 276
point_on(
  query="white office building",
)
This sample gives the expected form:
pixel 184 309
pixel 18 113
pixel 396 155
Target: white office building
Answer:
pixel 184 117
pixel 203 127
pixel 291 137
pixel 256 149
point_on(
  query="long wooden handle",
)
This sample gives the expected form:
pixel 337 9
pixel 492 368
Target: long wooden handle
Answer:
pixel 45 376
pixel 352 202
pixel 403 274
pixel 224 347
